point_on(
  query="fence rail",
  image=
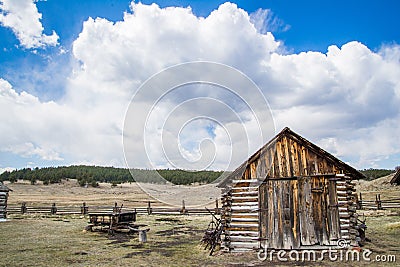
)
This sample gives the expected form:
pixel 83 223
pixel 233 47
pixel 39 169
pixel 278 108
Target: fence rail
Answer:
pixel 85 209
pixel 378 203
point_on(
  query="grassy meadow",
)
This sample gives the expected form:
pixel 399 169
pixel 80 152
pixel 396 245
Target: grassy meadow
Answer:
pixel 55 240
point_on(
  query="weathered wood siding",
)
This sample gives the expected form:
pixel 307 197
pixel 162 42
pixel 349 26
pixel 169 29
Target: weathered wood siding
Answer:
pixel 299 212
pixel 287 157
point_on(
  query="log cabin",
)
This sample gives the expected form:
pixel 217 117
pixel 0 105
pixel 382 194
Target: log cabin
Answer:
pixel 290 194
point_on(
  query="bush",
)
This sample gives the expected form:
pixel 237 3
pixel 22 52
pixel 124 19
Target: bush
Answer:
pixel 94 184
pixel 82 182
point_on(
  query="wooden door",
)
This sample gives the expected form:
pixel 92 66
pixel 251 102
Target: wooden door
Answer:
pixel 279 205
pixel 319 215
pixel 295 213
pixel 333 211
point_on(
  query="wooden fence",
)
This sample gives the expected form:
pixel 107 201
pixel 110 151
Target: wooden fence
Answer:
pixel 85 209
pixel 378 203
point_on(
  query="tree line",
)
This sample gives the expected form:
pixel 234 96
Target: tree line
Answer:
pixel 372 174
pixel 92 175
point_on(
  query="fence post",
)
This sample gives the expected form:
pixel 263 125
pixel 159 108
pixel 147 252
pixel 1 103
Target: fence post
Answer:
pixel 149 209
pixel 216 207
pixel 378 201
pixel 142 236
pixel 23 208
pixel 359 202
pixel 84 209
pixel 183 210
pixel 53 209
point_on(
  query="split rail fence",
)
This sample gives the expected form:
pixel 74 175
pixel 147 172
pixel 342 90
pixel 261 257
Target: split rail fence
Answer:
pixel 86 209
pixel 378 203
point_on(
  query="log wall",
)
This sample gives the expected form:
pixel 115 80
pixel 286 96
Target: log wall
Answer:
pixel 3 204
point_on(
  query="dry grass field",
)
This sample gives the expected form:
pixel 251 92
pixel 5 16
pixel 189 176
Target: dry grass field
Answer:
pixel 69 193
pixel 54 240
pixel 378 186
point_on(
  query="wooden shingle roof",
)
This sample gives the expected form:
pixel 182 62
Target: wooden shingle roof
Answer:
pixel 396 178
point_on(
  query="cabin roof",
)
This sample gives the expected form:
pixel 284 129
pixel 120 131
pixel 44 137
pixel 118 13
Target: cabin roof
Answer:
pixel 316 149
pixel 396 178
pixel 4 188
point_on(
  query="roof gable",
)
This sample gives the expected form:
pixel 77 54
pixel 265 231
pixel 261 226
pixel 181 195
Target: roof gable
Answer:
pixel 289 155
pixel 396 178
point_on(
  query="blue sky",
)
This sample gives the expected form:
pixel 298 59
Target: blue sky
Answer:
pixel 330 65
pixel 314 25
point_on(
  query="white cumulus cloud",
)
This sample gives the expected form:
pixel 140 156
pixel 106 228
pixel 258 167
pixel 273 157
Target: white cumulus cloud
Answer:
pixel 23 17
pixel 345 100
